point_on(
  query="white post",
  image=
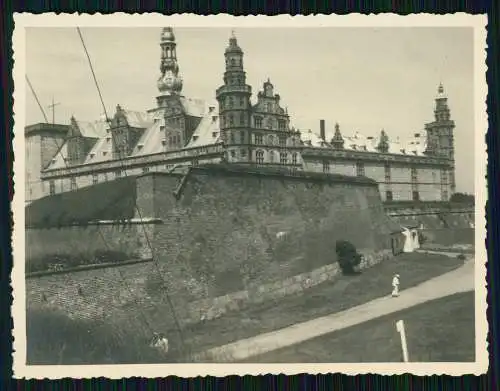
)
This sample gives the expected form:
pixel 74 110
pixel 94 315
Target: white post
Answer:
pixel 400 327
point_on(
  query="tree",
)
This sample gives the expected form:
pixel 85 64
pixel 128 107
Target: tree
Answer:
pixel 348 257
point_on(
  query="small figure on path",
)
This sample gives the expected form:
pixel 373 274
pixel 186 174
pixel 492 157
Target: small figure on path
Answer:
pixel 395 285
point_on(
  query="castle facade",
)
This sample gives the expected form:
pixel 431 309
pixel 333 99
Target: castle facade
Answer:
pixel 181 132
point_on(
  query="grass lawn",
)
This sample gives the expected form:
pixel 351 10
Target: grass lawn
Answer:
pixel 441 330
pixel 327 298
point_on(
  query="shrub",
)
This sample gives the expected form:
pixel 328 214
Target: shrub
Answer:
pixel 347 256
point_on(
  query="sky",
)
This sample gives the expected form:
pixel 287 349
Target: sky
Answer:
pixel 366 79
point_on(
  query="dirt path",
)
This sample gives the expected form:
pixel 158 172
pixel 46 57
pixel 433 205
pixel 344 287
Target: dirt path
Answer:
pixel 459 280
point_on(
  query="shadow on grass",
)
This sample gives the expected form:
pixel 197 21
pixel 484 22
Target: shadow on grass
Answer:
pixel 55 339
pixel 441 330
pixel 324 299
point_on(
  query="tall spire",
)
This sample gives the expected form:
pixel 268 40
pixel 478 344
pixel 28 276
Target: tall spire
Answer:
pixel 338 140
pixel 169 82
pixel 442 111
pixel 383 144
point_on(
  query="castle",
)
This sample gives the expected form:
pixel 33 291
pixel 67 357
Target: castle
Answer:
pixel 181 131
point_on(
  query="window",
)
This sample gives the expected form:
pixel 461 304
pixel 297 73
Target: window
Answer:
pixel 232 138
pixel 118 173
pixel 414 175
pixel 233 154
pixel 233 62
pixel 271 156
pixel 416 196
pixel 73 184
pixel 259 157
pixel 282 141
pixel 281 124
pixel 283 158
pixel 258 139
pixel 387 169
pixel 242 102
pixel 269 123
pixel 388 195
pixel 326 166
pixel 258 122
pixel 242 137
pixel 195 162
pixel 94 179
pixel 105 177
pixel 52 188
pixel 231 120
pixel 243 153
pixel 360 169
pixel 231 102
pixel 268 107
pixel 294 158
pixel 242 118
pixel 444 176
pixel 145 170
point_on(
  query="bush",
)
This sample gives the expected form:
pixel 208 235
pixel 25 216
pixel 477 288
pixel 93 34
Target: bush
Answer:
pixel 347 256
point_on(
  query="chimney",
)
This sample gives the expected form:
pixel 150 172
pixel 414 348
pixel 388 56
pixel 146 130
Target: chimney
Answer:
pixel 322 129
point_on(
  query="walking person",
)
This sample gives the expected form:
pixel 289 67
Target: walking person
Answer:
pixel 395 285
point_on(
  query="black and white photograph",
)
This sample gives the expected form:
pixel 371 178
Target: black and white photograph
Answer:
pixel 285 195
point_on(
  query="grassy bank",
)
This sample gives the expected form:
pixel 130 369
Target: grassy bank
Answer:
pixel 438 331
pixel 55 339
pixel 327 298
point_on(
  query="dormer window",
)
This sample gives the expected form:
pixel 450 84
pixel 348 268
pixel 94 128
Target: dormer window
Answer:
pixel 214 134
pixel 214 118
pixel 163 142
pixel 92 154
pixel 139 146
pixel 195 138
pixel 104 153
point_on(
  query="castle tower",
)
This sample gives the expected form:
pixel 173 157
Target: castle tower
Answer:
pixel 440 131
pixel 169 82
pixel 234 105
pixel 440 141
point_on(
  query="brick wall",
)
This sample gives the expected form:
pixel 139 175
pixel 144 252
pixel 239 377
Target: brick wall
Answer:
pixel 224 232
pixel 242 237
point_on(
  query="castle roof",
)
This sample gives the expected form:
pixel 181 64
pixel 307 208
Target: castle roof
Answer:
pixel 359 142
pixel 96 129
pixel 207 132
